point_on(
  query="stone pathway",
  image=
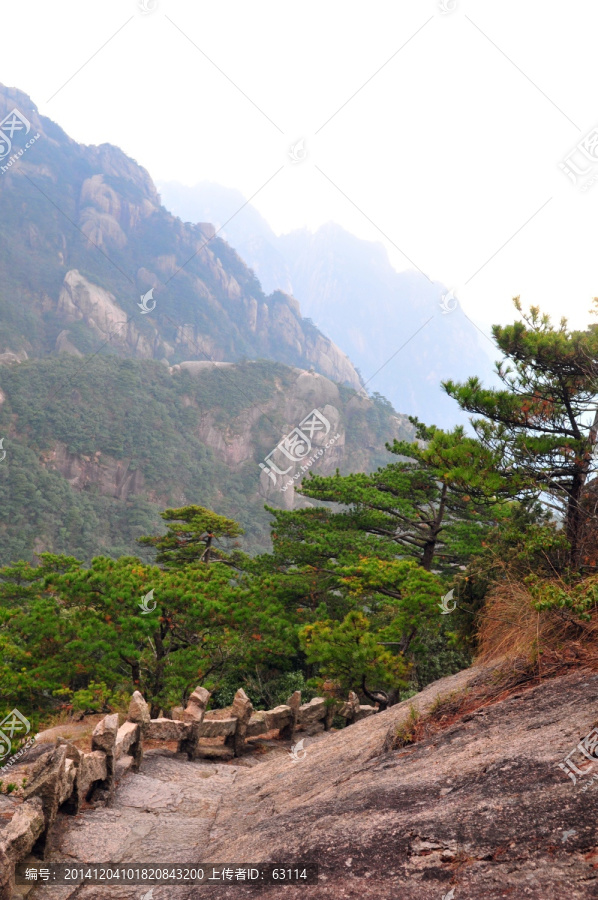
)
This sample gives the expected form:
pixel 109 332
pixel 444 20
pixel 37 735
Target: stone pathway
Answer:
pixel 164 814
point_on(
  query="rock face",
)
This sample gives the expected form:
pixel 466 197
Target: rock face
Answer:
pixel 480 807
pixel 215 306
pixel 25 824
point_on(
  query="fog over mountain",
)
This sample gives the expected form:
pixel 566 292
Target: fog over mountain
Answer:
pixel 391 324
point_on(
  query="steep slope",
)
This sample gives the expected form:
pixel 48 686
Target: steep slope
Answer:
pixel 350 290
pixel 480 808
pixel 83 235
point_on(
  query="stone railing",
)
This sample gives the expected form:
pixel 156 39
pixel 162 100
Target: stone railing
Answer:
pixel 65 778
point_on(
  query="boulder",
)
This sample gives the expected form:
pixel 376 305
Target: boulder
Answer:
pixel 312 712
pixel 17 839
pixel 278 717
pixel 257 724
pixel 287 732
pixel 128 742
pixel 139 711
pixel 314 728
pixel 350 708
pixel 50 781
pixel 72 752
pixel 67 785
pixel 193 716
pixel 104 735
pixel 354 700
pixel 177 713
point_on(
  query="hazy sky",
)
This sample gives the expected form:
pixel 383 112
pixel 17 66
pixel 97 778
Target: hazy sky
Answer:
pixel 438 132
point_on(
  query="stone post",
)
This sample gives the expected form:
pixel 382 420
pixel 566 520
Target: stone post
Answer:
pixel 193 715
pixel 104 739
pixel 241 710
pixel 287 732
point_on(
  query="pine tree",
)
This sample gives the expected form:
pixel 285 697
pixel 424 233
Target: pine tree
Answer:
pixel 541 428
pixel 190 536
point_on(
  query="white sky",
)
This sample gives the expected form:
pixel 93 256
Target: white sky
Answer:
pixel 451 149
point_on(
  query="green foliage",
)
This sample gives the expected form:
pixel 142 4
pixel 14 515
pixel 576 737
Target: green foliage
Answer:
pixel 415 503
pixel 96 697
pixel 349 653
pixel 150 434
pixel 539 429
pixel 83 630
pixel 191 531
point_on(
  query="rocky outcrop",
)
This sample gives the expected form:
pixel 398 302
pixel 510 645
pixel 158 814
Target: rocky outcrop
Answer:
pixel 81 300
pixel 207 303
pixel 112 477
pixel 479 809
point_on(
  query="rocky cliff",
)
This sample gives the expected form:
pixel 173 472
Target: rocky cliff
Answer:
pixel 84 237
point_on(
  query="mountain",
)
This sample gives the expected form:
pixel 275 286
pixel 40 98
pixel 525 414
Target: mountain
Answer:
pixel 83 235
pixel 113 407
pixel 390 323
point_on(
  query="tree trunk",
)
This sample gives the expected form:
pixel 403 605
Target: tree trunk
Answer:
pixel 435 528
pixel 574 508
pixel 428 555
pixel 574 514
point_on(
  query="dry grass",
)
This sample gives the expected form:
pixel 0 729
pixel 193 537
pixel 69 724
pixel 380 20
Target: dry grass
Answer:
pixel 513 631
